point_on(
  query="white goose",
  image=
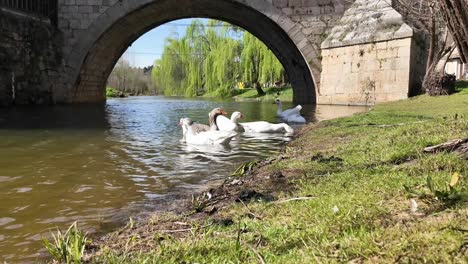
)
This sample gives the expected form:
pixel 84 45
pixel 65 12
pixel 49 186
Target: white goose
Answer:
pixel 205 137
pixel 289 112
pixel 197 128
pixel 252 127
pixel 226 124
pixel 292 115
pixel 295 119
pixel 213 118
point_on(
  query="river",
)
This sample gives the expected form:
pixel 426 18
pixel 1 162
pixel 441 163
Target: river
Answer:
pixel 101 164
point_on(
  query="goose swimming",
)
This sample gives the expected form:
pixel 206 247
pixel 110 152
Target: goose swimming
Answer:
pixel 205 137
pixel 197 128
pixel 253 127
pixel 213 116
pixel 292 115
pixel 226 124
pixel 289 112
pixel 295 119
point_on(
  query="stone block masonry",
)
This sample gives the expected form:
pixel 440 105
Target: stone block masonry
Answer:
pixel 366 74
pixel 370 57
pixel 77 15
pixel 30 58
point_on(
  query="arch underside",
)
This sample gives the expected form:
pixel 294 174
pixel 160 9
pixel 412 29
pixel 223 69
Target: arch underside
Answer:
pixel 104 51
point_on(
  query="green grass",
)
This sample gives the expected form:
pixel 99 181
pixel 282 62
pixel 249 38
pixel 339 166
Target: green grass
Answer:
pixel 286 94
pixel 222 93
pixel 462 86
pixel 358 170
pixel 67 247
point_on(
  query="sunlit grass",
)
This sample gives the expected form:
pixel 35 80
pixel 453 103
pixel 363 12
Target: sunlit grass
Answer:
pixel 358 171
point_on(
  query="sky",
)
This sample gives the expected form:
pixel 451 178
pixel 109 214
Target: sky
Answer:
pixel 149 47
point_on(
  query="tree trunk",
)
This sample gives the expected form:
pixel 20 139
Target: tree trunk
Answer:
pixel 439 83
pixel 255 77
pixel 455 14
pixel 432 41
pixel 259 89
pixel 444 22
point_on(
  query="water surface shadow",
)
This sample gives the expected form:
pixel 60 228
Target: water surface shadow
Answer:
pixel 55 117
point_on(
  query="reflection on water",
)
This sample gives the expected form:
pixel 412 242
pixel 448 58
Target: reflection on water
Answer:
pixel 100 164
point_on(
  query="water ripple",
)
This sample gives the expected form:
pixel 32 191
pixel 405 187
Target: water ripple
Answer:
pixel 98 165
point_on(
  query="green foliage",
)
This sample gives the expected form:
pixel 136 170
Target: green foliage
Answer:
pixel 212 59
pixel 111 92
pixel 67 247
pixel 199 202
pixel 449 193
pixel 244 168
pixel 131 80
pixel 259 64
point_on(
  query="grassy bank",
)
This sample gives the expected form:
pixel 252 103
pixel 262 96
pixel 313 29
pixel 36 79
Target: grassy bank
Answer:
pixel 286 94
pixel 340 192
pixel 249 94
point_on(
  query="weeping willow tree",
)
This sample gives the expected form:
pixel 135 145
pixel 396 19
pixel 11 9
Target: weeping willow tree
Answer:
pixel 197 46
pixel 169 72
pixel 259 64
pixel 251 58
pixel 222 65
pixel 271 69
pixel 212 58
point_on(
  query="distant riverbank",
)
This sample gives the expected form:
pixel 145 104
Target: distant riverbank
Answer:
pixel 114 93
pixel 285 94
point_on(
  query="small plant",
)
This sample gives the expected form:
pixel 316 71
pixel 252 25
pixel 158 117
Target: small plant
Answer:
pixel 67 247
pixel 199 202
pixel 449 194
pixel 244 168
pixel 368 90
pixel 131 223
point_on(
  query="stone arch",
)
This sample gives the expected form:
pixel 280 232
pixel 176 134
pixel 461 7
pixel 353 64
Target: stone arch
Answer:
pixel 99 47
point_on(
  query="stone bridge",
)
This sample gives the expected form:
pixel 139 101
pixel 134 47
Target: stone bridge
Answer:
pixel 93 34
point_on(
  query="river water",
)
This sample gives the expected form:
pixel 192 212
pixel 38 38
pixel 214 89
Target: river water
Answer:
pixel 98 165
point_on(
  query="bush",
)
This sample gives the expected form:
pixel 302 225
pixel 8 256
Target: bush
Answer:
pixel 111 92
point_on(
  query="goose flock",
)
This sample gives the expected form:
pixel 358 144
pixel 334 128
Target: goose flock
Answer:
pixel 222 130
